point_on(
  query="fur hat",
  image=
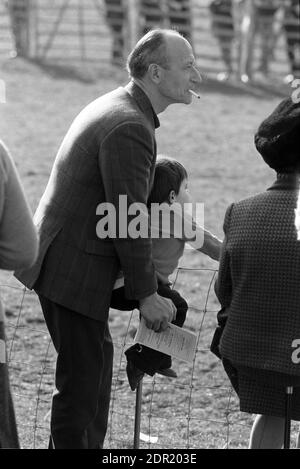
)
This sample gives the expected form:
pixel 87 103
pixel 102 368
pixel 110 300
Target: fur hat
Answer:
pixel 278 137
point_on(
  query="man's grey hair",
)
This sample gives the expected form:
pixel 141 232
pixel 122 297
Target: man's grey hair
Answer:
pixel 150 49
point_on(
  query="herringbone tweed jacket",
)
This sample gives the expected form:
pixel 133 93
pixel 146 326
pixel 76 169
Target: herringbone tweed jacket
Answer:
pixel 109 150
pixel 259 279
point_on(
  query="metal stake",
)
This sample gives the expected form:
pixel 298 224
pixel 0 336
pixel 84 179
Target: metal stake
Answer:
pixel 287 427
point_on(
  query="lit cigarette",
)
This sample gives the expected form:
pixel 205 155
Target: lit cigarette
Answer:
pixel 195 94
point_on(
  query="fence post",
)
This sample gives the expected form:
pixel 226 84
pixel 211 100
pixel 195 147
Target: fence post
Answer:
pixel 137 419
pixel 287 426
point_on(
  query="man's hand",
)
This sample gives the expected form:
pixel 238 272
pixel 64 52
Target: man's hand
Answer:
pixel 157 312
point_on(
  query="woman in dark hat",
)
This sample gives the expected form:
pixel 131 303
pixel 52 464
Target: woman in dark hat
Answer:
pixel 258 284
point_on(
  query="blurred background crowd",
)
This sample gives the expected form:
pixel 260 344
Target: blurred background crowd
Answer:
pixel 244 20
pixel 235 24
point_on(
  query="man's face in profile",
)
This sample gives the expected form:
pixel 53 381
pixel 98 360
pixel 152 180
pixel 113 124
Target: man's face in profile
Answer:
pixel 180 74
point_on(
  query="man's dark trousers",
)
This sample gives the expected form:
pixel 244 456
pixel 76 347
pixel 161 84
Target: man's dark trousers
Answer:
pixel 80 405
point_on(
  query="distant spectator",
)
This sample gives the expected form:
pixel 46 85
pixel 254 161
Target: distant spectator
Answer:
pixel 223 29
pixel 18 249
pixel 174 14
pixel 115 16
pixel 258 17
pixel 180 17
pixel 265 11
pixel 19 16
pixel 152 15
pixel 292 30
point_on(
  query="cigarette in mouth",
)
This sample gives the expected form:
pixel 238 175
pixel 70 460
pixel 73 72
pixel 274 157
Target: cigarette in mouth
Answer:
pixel 195 94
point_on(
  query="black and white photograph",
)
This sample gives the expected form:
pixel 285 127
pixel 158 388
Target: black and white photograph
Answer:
pixel 149 227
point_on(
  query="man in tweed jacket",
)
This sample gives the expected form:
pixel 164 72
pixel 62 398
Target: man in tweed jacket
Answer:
pixel 109 150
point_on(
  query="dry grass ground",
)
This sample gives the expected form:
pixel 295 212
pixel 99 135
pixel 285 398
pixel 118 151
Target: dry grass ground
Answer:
pixel 213 138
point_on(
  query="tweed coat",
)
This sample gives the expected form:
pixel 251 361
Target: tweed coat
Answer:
pixel 259 279
pixel 109 150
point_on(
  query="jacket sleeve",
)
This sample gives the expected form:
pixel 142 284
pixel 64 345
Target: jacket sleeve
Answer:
pixel 211 245
pixel 18 237
pixel 202 240
pixel 223 286
pixel 126 160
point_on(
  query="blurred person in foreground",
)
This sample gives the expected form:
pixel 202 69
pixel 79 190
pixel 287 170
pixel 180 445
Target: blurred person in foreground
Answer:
pixel 171 228
pixel 258 285
pixel 108 154
pixel 18 249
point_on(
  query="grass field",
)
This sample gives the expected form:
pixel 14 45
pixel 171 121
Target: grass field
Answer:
pixel 213 138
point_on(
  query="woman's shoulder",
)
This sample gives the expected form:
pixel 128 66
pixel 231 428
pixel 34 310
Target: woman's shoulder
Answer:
pixel 251 200
pixel 249 205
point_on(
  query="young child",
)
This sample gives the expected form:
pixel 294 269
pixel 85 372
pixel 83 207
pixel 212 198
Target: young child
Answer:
pixel 222 23
pixel 170 186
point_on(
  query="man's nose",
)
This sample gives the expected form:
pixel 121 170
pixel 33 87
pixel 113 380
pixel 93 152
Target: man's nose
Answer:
pixel 196 77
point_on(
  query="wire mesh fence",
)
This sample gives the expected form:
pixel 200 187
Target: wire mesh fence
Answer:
pixel 197 410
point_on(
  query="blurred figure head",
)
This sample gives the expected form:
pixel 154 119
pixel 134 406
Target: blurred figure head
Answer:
pixel 163 64
pixel 278 138
pixel 170 183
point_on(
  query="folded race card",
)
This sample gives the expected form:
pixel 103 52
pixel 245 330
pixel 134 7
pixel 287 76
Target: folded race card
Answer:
pixel 174 341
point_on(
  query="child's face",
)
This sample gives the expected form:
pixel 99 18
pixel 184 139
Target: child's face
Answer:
pixel 183 196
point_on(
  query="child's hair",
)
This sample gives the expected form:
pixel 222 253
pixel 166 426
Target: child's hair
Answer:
pixel 169 175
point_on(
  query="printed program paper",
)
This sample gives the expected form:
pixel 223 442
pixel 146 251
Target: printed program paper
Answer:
pixel 174 341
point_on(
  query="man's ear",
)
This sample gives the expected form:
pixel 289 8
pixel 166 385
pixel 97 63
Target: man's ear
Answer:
pixel 155 72
pixel 172 197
